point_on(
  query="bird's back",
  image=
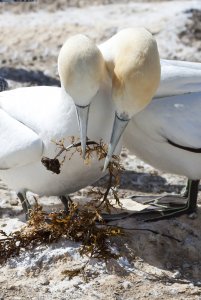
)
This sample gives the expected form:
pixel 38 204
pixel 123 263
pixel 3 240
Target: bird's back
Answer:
pixel 179 77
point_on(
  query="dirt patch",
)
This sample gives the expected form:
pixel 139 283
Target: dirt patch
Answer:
pixel 52 6
pixel 192 32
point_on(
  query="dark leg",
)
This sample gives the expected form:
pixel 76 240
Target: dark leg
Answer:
pixel 192 194
pixel 190 206
pixel 25 204
pixel 166 212
pixel 65 200
pixel 164 201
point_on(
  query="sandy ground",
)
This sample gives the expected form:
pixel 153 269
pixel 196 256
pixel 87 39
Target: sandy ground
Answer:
pixel 151 266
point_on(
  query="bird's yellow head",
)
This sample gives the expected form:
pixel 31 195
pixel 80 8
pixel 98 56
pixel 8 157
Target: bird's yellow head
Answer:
pixel 136 70
pixel 81 67
pixel 134 67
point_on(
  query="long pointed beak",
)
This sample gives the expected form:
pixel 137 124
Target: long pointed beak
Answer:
pixel 119 126
pixel 82 116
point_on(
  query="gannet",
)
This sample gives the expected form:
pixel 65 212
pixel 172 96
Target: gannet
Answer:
pixel 31 118
pixel 167 133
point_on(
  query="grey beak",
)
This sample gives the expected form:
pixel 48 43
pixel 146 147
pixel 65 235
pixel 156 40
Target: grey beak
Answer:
pixel 119 126
pixel 82 116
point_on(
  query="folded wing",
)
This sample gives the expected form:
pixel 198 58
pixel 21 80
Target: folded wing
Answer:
pixel 179 77
pixel 19 145
pixel 175 119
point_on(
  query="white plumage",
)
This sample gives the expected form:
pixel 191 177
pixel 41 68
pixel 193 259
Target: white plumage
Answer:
pixel 167 133
pixel 32 118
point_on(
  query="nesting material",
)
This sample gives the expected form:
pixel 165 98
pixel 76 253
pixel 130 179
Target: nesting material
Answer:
pixel 82 224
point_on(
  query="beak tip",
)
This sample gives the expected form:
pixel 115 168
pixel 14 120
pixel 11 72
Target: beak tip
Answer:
pixel 83 152
pixel 104 169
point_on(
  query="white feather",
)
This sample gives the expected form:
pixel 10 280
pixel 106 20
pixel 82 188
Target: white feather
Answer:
pixel 30 119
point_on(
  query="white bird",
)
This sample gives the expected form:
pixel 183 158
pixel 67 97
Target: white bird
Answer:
pixel 31 118
pixel 167 133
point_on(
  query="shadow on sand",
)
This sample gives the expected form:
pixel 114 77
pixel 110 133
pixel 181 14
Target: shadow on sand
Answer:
pixel 33 77
pixel 143 182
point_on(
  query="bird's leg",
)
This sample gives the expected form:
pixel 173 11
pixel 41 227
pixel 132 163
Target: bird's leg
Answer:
pixel 65 201
pixel 191 195
pixel 25 203
pixel 165 213
pixel 164 201
pixel 189 207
